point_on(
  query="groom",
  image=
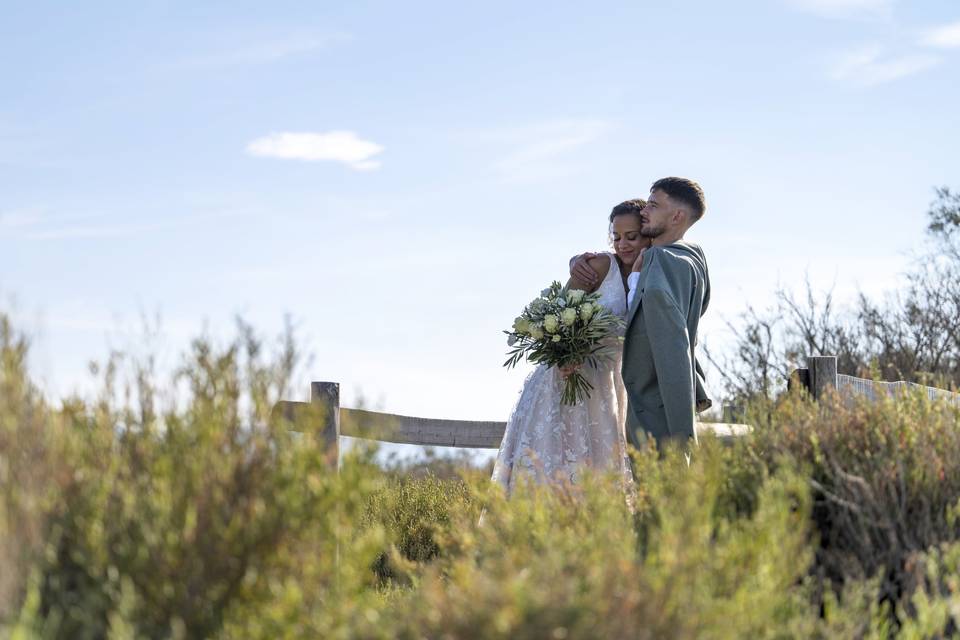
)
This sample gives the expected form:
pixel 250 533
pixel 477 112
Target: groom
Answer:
pixel 669 289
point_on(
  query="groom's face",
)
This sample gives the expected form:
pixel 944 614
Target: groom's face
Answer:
pixel 656 214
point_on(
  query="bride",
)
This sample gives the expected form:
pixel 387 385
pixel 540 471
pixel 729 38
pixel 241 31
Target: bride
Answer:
pixel 547 441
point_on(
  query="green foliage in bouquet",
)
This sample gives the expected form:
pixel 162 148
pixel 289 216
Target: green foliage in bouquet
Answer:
pixel 564 327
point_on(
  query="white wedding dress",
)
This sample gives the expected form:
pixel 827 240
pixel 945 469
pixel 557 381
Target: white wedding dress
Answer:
pixel 549 442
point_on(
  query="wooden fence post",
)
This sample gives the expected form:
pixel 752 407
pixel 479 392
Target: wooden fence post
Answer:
pixel 799 379
pixel 823 375
pixel 325 396
pixel 733 413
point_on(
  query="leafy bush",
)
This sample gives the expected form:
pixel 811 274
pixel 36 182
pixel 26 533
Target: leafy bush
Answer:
pixel 885 479
pixel 570 563
pixel 166 517
pixel 933 611
pixel 186 510
pixel 414 513
pixel 29 468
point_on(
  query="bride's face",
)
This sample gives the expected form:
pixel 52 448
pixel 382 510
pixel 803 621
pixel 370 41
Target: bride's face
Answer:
pixel 627 241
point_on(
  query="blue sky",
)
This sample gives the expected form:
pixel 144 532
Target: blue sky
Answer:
pixel 401 178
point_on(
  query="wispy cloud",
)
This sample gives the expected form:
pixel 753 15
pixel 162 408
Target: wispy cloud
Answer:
pixel 91 232
pixel 20 218
pixel 39 223
pixel 265 51
pixel 336 146
pixel 845 8
pixel 943 37
pixel 542 151
pixel 869 66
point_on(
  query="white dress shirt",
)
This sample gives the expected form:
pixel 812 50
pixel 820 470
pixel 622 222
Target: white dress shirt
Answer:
pixel 632 280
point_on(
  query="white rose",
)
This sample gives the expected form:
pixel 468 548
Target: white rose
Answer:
pixel 521 325
pixel 556 338
pixel 551 322
pixel 574 296
pixel 586 311
pixel 568 316
pixel 536 332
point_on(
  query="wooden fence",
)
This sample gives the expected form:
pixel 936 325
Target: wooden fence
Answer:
pixel 339 421
pixel 819 377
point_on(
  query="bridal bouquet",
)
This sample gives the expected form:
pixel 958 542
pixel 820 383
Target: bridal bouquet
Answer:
pixel 560 328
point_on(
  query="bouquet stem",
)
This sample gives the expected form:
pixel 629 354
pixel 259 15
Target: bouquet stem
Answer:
pixel 576 389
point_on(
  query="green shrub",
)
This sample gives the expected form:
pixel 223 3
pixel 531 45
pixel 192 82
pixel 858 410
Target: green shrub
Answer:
pixel 414 513
pixel 933 610
pixel 885 477
pixel 569 563
pixel 166 518
pixel 30 469
pixel 185 510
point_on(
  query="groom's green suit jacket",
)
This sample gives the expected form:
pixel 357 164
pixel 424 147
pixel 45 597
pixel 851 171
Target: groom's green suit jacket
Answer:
pixel 660 370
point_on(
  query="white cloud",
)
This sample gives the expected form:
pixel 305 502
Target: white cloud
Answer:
pixel 845 8
pixel 540 151
pixel 337 146
pixel 869 67
pixel 944 37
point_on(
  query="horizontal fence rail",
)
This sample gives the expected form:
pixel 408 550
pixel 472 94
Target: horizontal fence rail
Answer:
pixel 819 378
pixel 335 421
pixel 850 387
pixel 387 427
pixel 434 432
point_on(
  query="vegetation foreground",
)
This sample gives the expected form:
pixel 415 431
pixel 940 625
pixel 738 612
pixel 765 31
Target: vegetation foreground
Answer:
pixel 186 510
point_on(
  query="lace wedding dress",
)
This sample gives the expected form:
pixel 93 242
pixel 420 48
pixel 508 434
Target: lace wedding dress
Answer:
pixel 551 442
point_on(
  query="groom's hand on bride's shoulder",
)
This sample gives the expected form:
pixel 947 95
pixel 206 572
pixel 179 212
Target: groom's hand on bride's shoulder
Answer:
pixel 581 270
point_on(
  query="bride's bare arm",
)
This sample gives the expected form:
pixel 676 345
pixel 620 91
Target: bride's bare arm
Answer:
pixel 580 268
pixel 600 264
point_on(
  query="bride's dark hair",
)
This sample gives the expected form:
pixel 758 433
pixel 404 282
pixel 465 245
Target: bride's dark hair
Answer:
pixel 627 207
pixel 634 207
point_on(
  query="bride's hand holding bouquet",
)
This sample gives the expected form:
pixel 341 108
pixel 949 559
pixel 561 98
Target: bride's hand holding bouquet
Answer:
pixel 565 328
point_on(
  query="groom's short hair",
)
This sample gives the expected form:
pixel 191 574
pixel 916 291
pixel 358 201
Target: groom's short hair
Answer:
pixel 633 207
pixel 686 191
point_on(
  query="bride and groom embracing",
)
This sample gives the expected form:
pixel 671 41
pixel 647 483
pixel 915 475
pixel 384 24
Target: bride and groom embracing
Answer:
pixel 659 285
